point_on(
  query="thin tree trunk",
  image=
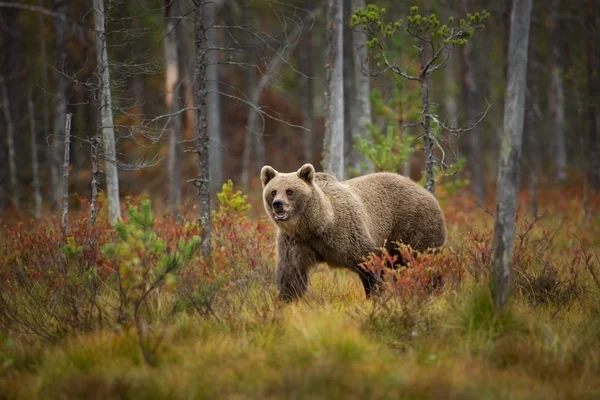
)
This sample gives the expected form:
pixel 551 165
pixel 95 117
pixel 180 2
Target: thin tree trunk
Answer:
pixel 61 85
pixel 532 134
pixel 202 139
pixel 592 74
pixel 362 86
pixel 429 141
pixel 333 147
pixel 65 185
pixel 173 104
pixel 35 163
pixel 108 133
pixel 350 120
pixel 95 185
pixel 10 141
pixel 214 99
pixel 469 94
pixel 305 65
pixel 46 110
pixel 557 103
pixel 510 153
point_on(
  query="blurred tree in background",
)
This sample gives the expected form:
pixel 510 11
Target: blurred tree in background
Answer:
pixel 265 87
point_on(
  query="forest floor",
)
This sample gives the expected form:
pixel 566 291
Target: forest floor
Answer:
pixel 70 329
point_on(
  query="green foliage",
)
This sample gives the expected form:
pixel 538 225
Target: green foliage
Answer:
pixel 386 151
pixel 142 259
pixel 230 201
pixel 422 27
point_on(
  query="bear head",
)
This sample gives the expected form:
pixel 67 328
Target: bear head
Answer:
pixel 286 195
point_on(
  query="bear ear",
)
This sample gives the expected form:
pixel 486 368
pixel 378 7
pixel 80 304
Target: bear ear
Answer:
pixel 307 173
pixel 266 174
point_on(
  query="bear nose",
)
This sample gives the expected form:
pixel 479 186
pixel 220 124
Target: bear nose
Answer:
pixel 278 204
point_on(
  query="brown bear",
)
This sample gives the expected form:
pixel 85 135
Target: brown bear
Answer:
pixel 321 219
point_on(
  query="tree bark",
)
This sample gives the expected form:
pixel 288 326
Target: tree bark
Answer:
pixel 10 142
pixel 65 177
pixel 362 86
pixel 510 153
pixel 592 74
pixel 531 133
pixel 333 160
pixel 35 163
pixel 469 94
pixel 173 103
pixel 108 133
pixel 349 94
pixel 305 65
pixel 557 103
pixel 202 181
pixel 214 98
pixel 61 86
pixel 48 152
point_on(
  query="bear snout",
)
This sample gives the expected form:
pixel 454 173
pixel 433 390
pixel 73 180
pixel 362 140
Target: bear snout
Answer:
pixel 278 205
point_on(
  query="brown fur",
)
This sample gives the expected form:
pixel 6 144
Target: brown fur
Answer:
pixel 324 220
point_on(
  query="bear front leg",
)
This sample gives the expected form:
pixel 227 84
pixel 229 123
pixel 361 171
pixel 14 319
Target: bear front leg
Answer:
pixel 294 261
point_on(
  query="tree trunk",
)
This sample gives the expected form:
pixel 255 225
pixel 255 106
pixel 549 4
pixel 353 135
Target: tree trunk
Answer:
pixel 362 102
pixel 35 163
pixel 65 177
pixel 108 133
pixel 510 152
pixel 557 103
pixel 214 99
pixel 469 94
pixel 305 65
pixel 333 147
pixel 532 134
pixel 173 103
pixel 48 150
pixel 592 74
pixel 349 93
pixel 202 139
pixel 10 142
pixel 61 86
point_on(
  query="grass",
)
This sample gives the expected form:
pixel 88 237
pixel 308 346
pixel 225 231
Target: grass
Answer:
pixel 334 343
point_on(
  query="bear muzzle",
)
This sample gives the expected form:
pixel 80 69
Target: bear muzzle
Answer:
pixel 279 212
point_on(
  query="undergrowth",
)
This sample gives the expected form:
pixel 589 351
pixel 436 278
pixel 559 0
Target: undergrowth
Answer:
pixel 135 312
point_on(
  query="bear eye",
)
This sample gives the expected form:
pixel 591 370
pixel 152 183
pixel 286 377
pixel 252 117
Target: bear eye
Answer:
pixel 273 193
pixel 289 192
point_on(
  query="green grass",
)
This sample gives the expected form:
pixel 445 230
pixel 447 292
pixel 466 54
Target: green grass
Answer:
pixel 319 349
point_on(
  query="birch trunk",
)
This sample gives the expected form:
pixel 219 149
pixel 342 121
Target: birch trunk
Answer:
pixel 362 86
pixel 106 117
pixel 214 98
pixel 65 177
pixel 202 139
pixel 557 103
pixel 305 65
pixel 510 153
pixel 10 142
pixel 333 147
pixel 173 104
pixel 35 163
pixel 61 85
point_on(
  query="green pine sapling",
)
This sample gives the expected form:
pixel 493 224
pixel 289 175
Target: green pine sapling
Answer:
pixel 433 40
